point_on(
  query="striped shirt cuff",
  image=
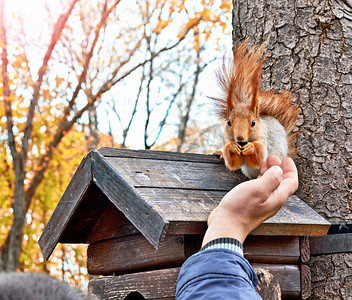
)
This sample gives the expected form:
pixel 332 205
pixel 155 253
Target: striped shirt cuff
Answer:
pixel 224 243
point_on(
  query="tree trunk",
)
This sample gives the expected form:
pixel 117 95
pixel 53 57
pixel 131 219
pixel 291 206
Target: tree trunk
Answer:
pixel 11 249
pixel 310 53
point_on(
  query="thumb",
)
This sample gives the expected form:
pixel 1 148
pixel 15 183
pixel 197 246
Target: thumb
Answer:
pixel 271 180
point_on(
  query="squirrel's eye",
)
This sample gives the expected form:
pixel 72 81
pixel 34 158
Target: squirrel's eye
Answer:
pixel 229 123
pixel 253 123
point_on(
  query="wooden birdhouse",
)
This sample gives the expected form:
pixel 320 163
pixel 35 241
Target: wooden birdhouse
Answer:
pixel 143 213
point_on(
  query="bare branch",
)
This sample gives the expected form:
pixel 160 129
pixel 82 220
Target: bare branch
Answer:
pixel 66 125
pixel 112 81
pixel 127 129
pixel 59 26
pixel 185 117
pixel 163 121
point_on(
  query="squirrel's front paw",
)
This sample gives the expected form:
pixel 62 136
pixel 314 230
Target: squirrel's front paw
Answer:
pixel 232 155
pixel 253 154
pixel 236 148
pixel 248 149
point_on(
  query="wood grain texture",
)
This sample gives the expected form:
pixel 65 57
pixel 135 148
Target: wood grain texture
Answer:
pixel 331 244
pixel 85 217
pixel 160 155
pixel 133 253
pixel 124 196
pixel 258 249
pixel 111 224
pixel 182 206
pixel 306 280
pixel 173 174
pixel 68 204
pixel 274 250
pixel 304 246
pixel 158 284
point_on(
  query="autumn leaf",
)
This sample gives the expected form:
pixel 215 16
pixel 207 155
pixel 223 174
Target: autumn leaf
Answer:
pixel 226 5
pixel 161 25
pixel 206 14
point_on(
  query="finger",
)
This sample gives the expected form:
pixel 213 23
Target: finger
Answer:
pixel 290 176
pixel 263 167
pixel 273 160
pixel 289 183
pixel 270 181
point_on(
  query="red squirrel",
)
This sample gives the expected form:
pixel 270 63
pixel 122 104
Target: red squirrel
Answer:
pixel 256 123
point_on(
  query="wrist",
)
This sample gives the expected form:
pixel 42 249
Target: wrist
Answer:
pixel 224 243
pixel 223 224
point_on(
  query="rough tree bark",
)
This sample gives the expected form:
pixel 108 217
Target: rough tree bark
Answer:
pixel 310 53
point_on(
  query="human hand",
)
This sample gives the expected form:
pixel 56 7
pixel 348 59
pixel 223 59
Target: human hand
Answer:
pixel 252 202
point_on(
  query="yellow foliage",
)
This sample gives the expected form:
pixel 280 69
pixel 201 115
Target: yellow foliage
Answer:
pixel 162 24
pixel 226 5
pixel 206 14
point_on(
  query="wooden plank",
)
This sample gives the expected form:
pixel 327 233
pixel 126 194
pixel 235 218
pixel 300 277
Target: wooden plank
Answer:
pixel 306 282
pixel 304 247
pixel 133 253
pixel 84 218
pixel 175 174
pixel 258 249
pixel 125 197
pixel 111 224
pixel 66 207
pixel 331 244
pixel 158 284
pixel 182 206
pixel 178 205
pixel 161 155
pixel 272 249
pixel 294 218
pixel 289 278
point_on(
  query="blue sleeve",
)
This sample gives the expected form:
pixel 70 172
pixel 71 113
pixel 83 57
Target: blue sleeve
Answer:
pixel 216 274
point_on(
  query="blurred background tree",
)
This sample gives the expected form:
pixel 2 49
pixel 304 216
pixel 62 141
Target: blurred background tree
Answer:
pixel 77 75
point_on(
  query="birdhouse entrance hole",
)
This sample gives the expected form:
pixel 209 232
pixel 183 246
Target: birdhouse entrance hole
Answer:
pixel 134 296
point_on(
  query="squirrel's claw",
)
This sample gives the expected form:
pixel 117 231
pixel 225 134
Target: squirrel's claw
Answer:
pixel 248 149
pixel 236 148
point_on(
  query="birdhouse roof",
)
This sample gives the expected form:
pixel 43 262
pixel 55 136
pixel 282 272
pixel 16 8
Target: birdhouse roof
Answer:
pixel 158 192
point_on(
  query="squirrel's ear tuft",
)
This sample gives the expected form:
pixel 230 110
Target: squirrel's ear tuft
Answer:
pixel 255 105
pixel 255 86
pixel 230 98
